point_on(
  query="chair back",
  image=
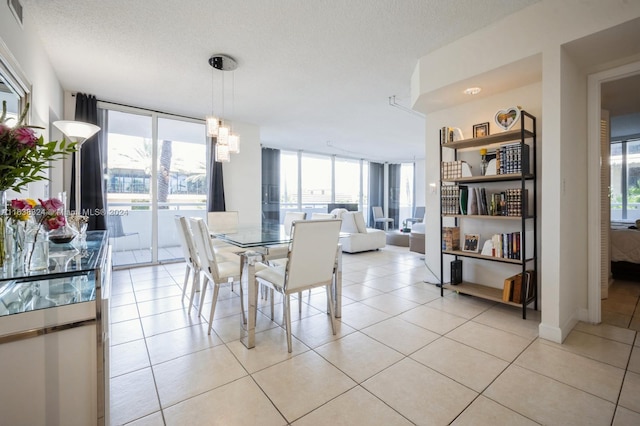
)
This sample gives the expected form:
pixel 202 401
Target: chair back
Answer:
pixel 114 224
pixel 222 222
pixel 289 217
pixel 377 212
pixel 321 216
pixel 418 213
pixel 186 241
pixel 204 246
pixel 312 254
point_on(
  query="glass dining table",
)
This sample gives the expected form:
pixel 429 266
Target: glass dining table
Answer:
pixel 263 243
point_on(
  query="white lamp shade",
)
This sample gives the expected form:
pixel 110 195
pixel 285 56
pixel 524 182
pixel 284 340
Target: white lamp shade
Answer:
pixel 223 135
pixel 212 126
pixel 222 153
pixel 234 144
pixel 77 131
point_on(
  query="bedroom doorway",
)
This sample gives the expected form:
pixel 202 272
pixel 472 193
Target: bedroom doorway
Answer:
pixel 614 119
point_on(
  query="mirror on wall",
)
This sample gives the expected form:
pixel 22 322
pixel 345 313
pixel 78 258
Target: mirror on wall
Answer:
pixel 14 86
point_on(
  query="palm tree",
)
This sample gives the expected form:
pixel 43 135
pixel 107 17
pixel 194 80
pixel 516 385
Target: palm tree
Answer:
pixel 164 174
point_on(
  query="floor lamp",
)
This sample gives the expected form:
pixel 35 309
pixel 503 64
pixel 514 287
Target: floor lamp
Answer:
pixel 78 132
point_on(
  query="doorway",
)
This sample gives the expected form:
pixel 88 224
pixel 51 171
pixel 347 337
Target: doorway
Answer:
pixel 611 99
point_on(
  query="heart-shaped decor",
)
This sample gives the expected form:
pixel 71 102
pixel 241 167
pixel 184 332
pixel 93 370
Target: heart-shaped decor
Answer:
pixel 506 118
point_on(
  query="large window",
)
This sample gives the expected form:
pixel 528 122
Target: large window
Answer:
pixel 625 180
pixel 150 180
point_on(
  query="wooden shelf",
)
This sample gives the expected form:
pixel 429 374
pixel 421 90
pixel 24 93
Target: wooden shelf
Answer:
pixel 483 257
pixel 490 178
pixel 483 292
pixel 485 217
pixel 484 141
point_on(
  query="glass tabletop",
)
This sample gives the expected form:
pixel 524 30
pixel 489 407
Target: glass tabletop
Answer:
pixel 255 236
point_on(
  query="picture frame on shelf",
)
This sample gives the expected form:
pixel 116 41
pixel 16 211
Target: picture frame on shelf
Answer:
pixel 471 243
pixel 480 130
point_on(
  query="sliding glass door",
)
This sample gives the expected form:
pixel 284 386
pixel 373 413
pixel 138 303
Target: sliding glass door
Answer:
pixel 155 170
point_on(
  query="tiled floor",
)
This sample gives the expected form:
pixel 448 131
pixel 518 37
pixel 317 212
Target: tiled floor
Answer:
pixel 402 355
pixel 622 306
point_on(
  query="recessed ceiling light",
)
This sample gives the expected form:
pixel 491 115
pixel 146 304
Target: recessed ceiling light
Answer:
pixel 472 91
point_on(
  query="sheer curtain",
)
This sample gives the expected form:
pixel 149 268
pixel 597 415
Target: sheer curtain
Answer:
pixel 270 186
pixel 92 194
pixel 394 193
pixel 376 188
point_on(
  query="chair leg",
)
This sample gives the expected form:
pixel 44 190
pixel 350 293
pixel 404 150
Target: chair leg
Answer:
pixel 187 274
pixel 216 288
pixel 271 294
pixel 331 309
pixel 287 313
pixel 203 292
pixel 194 287
pixel 300 302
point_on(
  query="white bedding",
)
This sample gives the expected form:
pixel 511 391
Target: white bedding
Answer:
pixel 625 245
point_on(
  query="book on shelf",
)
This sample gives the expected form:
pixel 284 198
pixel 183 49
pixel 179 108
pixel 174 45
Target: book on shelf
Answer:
pixel 512 158
pixel 451 238
pixel 449 199
pixel 508 245
pixel 464 198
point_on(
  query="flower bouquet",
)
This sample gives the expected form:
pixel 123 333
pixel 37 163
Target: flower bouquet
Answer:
pixel 23 159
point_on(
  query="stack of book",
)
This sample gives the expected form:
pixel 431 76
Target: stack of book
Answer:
pixel 512 158
pixel 516 202
pixel 450 199
pixel 451 170
pixel 515 288
pixel 507 245
pixel 451 238
pixel 446 135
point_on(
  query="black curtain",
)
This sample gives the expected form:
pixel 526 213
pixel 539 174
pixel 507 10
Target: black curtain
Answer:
pixel 215 200
pixel 394 194
pixel 92 194
pixel 270 186
pixel 376 188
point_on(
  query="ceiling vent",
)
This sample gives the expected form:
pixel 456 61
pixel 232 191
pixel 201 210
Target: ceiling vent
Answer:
pixel 16 9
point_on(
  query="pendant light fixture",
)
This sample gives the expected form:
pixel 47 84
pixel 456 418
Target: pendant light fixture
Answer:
pixel 226 142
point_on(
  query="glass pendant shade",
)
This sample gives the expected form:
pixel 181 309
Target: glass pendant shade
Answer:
pixel 223 135
pixel 222 153
pixel 212 126
pixel 234 144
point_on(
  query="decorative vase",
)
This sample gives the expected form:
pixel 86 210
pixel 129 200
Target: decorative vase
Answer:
pixel 18 234
pixel 36 255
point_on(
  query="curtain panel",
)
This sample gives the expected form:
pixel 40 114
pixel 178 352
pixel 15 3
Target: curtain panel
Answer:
pixel 215 199
pixel 270 186
pixel 394 193
pixel 92 193
pixel 376 188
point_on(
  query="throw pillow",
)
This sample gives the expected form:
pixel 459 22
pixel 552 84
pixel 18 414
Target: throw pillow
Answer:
pixel 360 223
pixel 337 213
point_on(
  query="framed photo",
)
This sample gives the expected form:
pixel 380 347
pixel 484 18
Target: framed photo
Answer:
pixel 480 130
pixel 471 243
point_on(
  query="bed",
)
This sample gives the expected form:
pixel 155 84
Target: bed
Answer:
pixel 625 253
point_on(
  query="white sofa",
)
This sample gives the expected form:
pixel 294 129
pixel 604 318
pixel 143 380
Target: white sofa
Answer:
pixel 360 237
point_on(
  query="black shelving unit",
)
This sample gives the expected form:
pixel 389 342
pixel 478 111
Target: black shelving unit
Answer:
pixel 525 135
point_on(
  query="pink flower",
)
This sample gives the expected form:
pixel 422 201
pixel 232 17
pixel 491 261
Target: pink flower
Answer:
pixel 51 204
pixel 20 205
pixel 55 222
pixel 25 136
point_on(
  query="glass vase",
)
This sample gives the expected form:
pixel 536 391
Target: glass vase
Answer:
pixel 36 255
pixel 4 234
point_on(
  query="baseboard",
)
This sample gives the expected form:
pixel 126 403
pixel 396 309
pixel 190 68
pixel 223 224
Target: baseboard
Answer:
pixel 557 334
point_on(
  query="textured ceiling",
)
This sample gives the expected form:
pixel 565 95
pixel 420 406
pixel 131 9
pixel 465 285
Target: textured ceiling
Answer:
pixel 314 75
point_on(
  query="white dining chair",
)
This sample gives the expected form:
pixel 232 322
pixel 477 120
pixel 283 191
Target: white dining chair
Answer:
pixel 379 217
pixel 223 222
pixel 311 263
pixel 190 257
pixel 215 269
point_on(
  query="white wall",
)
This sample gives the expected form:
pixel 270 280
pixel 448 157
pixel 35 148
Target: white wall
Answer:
pixel 540 29
pixel 243 176
pixel 46 92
